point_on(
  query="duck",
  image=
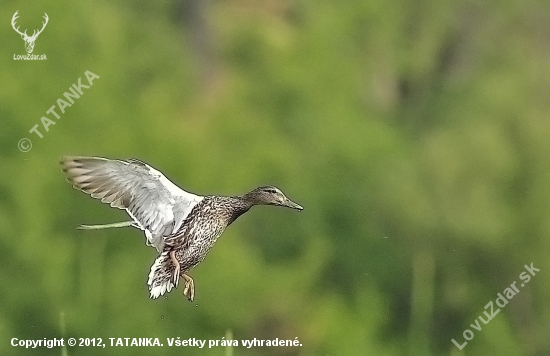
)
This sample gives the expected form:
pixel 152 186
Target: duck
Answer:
pixel 180 225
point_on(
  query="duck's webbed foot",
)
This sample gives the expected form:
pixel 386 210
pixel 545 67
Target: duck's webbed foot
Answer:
pixel 189 288
pixel 176 276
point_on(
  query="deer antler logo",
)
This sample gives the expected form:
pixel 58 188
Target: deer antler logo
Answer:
pixel 29 40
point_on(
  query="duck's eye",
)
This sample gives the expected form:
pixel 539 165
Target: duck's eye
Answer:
pixel 271 191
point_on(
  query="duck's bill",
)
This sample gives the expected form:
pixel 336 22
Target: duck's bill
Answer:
pixel 290 204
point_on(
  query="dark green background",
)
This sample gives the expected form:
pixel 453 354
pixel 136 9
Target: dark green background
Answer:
pixel 416 134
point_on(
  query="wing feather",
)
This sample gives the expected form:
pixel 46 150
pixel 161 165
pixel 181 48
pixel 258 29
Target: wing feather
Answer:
pixel 156 204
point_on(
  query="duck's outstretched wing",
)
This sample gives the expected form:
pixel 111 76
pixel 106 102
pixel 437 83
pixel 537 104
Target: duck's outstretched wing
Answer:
pixel 157 205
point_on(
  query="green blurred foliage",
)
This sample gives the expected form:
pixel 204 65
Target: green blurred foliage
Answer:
pixel 415 134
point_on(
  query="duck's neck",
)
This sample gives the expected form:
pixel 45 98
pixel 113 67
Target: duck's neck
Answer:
pixel 239 207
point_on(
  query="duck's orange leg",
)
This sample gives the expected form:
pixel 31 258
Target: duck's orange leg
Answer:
pixel 176 276
pixel 189 289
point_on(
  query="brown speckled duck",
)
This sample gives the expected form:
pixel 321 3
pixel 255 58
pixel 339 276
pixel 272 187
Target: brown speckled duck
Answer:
pixel 182 226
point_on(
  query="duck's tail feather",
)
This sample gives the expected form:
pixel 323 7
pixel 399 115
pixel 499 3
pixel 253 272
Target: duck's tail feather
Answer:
pixel 161 276
pixel 108 226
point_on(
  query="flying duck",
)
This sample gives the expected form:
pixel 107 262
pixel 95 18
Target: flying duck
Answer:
pixel 182 226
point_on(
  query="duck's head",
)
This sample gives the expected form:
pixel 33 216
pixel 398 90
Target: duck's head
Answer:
pixel 270 195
